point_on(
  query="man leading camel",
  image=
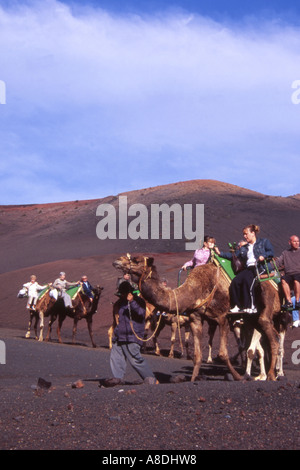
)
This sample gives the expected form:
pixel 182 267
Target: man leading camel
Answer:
pixel 290 259
pixel 127 341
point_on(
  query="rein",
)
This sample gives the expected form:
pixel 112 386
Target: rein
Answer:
pixel 140 286
pixel 135 334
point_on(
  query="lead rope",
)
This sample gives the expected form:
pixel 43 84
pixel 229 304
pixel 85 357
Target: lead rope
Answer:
pixel 131 325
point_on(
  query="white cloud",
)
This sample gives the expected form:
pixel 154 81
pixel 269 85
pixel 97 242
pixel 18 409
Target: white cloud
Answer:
pixel 174 93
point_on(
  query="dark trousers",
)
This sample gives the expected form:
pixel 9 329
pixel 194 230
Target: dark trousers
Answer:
pixel 242 289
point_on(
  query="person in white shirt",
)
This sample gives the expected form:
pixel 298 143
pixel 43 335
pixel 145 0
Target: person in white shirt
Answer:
pixel 33 289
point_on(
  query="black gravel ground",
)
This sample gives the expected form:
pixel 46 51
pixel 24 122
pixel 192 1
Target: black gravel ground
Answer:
pixel 70 410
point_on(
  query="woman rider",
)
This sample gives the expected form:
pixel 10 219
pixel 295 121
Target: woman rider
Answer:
pixel 253 255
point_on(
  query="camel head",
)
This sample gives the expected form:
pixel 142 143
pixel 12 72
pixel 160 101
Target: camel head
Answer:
pixel 134 265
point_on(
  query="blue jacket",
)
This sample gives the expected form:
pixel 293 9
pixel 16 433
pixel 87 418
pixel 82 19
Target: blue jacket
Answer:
pixel 87 288
pixel 262 247
pixel 123 331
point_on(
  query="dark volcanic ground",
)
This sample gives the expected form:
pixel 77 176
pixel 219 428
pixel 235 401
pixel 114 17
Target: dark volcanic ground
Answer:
pixel 212 413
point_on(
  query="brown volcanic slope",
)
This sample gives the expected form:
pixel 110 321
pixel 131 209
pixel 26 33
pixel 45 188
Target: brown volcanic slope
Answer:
pixel 45 239
pixel 39 233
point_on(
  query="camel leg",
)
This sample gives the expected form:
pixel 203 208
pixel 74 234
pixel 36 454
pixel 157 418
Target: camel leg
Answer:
pixel 240 340
pixel 89 322
pixel 255 345
pixel 186 341
pixel 60 322
pixel 50 323
pixel 223 351
pixel 35 326
pixel 256 336
pixel 211 333
pixel 261 356
pixel 74 330
pixel 146 330
pixel 279 361
pixel 155 343
pixel 41 315
pixel 27 335
pixel 271 334
pixel 173 338
pixel 110 335
pixel 155 337
pixel 196 328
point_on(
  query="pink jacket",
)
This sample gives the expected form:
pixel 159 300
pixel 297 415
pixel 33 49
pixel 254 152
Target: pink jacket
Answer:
pixel 200 257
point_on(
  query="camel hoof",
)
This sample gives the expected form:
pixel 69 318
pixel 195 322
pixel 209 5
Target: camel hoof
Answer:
pixel 261 377
pixel 248 378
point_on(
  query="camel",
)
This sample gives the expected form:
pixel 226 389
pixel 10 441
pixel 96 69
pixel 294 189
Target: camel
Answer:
pixel 82 308
pixel 43 308
pixel 281 324
pixel 204 294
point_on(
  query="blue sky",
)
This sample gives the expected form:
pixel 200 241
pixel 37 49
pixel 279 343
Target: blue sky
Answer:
pixel 103 97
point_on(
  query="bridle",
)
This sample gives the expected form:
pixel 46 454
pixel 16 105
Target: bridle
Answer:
pixel 143 276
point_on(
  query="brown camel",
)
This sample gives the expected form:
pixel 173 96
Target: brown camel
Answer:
pixel 82 308
pixel 203 294
pixel 43 309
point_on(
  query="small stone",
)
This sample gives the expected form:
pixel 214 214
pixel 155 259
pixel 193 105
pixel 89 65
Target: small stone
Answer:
pixel 42 383
pixel 202 399
pixel 78 384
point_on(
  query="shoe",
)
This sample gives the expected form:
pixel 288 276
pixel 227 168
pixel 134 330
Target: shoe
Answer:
pixel 235 309
pixel 296 324
pixel 112 382
pixel 297 305
pixel 287 306
pixel 151 381
pixel 251 310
